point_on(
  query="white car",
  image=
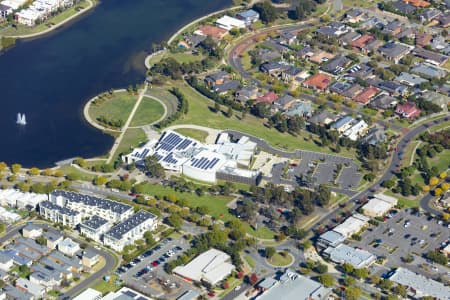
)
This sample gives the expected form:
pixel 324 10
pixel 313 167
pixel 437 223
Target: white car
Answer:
pixel 237 288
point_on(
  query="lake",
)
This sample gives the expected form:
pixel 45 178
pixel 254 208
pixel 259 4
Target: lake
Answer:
pixel 50 78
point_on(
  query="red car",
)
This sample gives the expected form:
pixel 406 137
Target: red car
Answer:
pixel 211 294
pixel 155 263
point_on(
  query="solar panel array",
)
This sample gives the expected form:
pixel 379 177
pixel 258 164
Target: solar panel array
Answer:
pixel 204 163
pixel 170 159
pixel 184 144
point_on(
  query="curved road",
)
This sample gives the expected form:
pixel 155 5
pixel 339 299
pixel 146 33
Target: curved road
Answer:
pixel 110 261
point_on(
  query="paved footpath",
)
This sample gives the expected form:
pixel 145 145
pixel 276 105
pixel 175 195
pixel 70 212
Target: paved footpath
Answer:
pixel 127 124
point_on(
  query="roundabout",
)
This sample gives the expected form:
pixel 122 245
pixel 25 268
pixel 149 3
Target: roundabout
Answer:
pixel 281 259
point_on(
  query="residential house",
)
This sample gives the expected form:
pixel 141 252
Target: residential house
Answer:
pixel 6 262
pixel 226 87
pixel 410 79
pixel 58 214
pixel 354 16
pixel 333 30
pixel 94 228
pixel 32 231
pixel 69 247
pixel 352 91
pixel 357 130
pixel 374 136
pixel 318 81
pixel 284 102
pixel 287 38
pixel 90 258
pixel 362 71
pixel 304 53
pixel 348 38
pixel 29 248
pixel 48 277
pixel 444 20
pixel 339 87
pixel 394 89
pixel 321 56
pixel 16 257
pixel 269 97
pixel 430 56
pixel 337 65
pixel 34 289
pixel 265 55
pixel 429 71
pixel 394 51
pixel 294 76
pixel 393 28
pixel 12 292
pixel 383 102
pixel 249 16
pixel 404 8
pixel 228 23
pixel 61 259
pixel 436 98
pixel 214 32
pixel 193 40
pixel 418 3
pixel 246 93
pixel 406 32
pixel 53 238
pixel 343 124
pixel 366 95
pixel 372 22
pixel 407 110
pixel 64 270
pixel 323 118
pixel 423 39
pixel 373 46
pixel 273 68
pixel 5 11
pixel 429 15
pixel 217 78
pixel 361 42
pixel 300 108
pixel 274 44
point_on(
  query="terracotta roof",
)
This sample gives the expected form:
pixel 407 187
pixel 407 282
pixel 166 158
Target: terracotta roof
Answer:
pixel 362 41
pixel 319 81
pixel 269 97
pixel 418 3
pixel 367 94
pixel 409 110
pixel 213 31
pixel 423 39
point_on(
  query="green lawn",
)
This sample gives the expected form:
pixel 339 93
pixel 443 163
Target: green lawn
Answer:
pixel 402 200
pixel 23 30
pixel 67 169
pixel 355 3
pixel 409 153
pixel 148 112
pixel 217 206
pixel 185 57
pixel 132 138
pixel 250 261
pixel 279 260
pixel 200 114
pixel 441 160
pixel 197 134
pixel 118 107
pixel 105 287
pixel 440 127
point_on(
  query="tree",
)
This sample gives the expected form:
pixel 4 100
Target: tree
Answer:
pixel 352 293
pixel 321 268
pixel 153 167
pixel 348 268
pixel 385 284
pixel 229 113
pixel 225 285
pixel 327 280
pixel 217 107
pixel 400 290
pixel 80 161
pixel 100 180
pixel 34 171
pixel 362 273
pixel 15 168
pixel 175 220
pixel 3 166
pixel 267 12
pixel 433 181
pixel 270 252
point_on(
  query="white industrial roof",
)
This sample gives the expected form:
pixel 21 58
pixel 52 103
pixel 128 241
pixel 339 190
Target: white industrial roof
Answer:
pixel 377 207
pixel 211 266
pixel 386 198
pixel 352 225
pixel 345 254
pixel 422 285
pixel 228 23
pixel 89 294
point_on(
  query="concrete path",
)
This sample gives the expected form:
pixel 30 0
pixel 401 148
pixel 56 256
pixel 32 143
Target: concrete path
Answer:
pixel 32 35
pixel 127 124
pixel 212 133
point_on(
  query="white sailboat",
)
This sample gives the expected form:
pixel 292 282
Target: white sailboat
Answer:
pixel 21 119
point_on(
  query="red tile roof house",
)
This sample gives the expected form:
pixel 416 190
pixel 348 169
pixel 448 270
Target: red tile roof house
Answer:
pixel 269 97
pixel 361 42
pixel 408 110
pixel 366 95
pixel 213 31
pixel 319 81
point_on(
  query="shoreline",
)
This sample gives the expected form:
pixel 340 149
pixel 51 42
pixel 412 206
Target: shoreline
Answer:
pixel 91 5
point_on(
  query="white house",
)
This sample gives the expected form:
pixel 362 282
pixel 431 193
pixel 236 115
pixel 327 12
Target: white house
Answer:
pixel 228 23
pixel 68 247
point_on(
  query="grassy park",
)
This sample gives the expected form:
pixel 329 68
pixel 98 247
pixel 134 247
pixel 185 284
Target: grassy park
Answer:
pixel 148 112
pixel 280 259
pixel 132 138
pixel 197 134
pixel 116 107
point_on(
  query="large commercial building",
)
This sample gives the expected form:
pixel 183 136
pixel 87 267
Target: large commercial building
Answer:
pixel 90 206
pixel 225 160
pixel 130 230
pixel 352 225
pixel 420 286
pixel 59 214
pixel 342 253
pixel 379 205
pixel 211 266
pixel 291 286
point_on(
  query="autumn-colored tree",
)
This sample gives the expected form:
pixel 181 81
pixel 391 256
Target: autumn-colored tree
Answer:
pixel 253 279
pixel 34 171
pixel 433 181
pixel 445 186
pixel 426 188
pixel 437 192
pixel 15 168
pixel 443 175
pixel 225 285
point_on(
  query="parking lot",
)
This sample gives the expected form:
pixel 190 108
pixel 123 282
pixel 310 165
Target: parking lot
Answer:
pixel 146 273
pixel 403 234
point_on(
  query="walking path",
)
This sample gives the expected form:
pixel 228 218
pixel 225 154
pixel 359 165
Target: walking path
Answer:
pixel 31 35
pixel 127 124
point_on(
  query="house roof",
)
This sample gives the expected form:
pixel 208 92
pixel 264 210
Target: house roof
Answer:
pixel 322 117
pixel 394 50
pixel 423 39
pixel 430 55
pixel 32 288
pixel 362 41
pixel 418 3
pixel 319 81
pixel 429 71
pixel 229 85
pixel 345 254
pixel 336 65
pixel 410 79
pixel 299 108
pixel 212 31
pixel 283 100
pixel 269 97
pixel 248 14
pixel 383 101
pixel 404 8
pixel 366 95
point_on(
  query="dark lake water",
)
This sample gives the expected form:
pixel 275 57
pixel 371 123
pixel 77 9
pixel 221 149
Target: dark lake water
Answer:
pixel 50 78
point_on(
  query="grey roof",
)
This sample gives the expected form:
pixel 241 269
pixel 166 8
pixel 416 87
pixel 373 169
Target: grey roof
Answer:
pixel 336 65
pixel 88 200
pixel 404 7
pixel 229 85
pixel 218 75
pixel 394 50
pixel 119 230
pixel 4 258
pixel 195 39
pixel 293 71
pixel 33 288
pixel 189 295
pixel 430 14
pixel 283 100
pixel 392 87
pixel 299 108
pixel 349 37
pixel 31 227
pixel 4 7
pixel 62 210
pixel 374 136
pixel 429 71
pixel 71 261
pixel 339 87
pixel 94 222
pixel 273 65
pixel 51 235
pixel 410 79
pixel 89 254
pixel 331 237
pixel 422 285
pixel 430 55
pixel 322 116
pixel 248 14
pixel 293 286
pixel 345 254
pixel 30 243
pixel 42 273
pixel 341 122
pixel 16 294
